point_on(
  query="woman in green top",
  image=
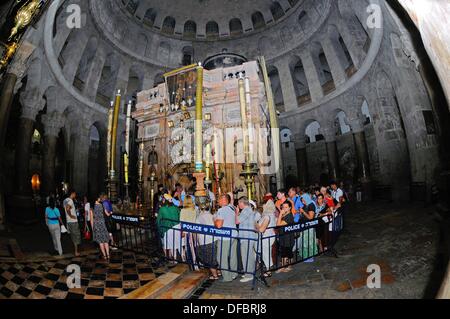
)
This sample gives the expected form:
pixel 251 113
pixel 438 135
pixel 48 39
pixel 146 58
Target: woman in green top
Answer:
pixel 168 217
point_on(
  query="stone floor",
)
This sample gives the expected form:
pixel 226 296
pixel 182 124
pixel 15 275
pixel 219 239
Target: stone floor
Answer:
pixel 403 241
pixel 124 273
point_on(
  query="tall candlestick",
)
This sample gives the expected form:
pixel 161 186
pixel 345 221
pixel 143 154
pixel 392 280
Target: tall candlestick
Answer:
pixel 108 142
pixel 244 119
pixel 127 130
pixel 115 125
pixel 199 122
pixel 141 161
pixel 208 162
pixel 250 132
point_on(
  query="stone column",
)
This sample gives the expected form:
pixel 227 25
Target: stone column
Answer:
pixel 302 162
pixel 53 124
pixel 6 98
pixel 337 69
pixel 94 75
pixel 287 85
pixel 312 75
pixel 332 152
pixel 80 156
pixel 32 102
pixel 362 156
pixel 362 153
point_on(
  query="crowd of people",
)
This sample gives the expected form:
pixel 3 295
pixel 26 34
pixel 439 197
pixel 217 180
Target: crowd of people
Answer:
pixel 227 257
pixel 81 219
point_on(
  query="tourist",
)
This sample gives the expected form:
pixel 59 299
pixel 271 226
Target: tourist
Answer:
pixel 168 217
pixel 188 213
pixel 321 211
pixel 227 250
pixel 206 248
pixel 308 237
pixel 295 198
pixel 72 221
pixel 338 194
pixel 329 200
pixel 286 241
pixel 54 222
pixel 101 234
pixel 281 199
pixel 247 237
pixel 87 215
pixel 110 225
pixel 266 226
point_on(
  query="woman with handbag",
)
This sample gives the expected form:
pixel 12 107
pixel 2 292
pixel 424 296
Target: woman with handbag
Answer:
pixel 101 234
pixel 54 222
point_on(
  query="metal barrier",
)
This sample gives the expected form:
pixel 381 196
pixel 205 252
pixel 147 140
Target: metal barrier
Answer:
pixel 204 246
pixel 136 234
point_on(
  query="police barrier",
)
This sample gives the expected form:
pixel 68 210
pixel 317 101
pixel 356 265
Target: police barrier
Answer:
pixel 136 234
pixel 232 251
pixel 248 252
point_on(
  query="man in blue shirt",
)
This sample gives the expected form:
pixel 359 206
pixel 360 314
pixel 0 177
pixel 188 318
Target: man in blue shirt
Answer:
pixel 298 205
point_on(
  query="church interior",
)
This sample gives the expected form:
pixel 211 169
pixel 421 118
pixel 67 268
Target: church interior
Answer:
pixel 126 97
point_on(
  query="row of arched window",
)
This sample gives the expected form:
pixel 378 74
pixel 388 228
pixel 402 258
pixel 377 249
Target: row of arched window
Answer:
pixel 212 27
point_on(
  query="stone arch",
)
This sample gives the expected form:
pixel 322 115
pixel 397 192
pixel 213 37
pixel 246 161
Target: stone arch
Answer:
pixel 141 44
pixel 300 80
pixel 276 87
pixel 212 30
pixel 150 17
pixel 190 30
pixel 277 10
pixel 236 28
pixel 135 82
pixel 163 54
pixel 323 68
pixel 258 20
pixel 188 55
pixel 86 62
pixel 168 26
pixel 108 79
pixel 312 131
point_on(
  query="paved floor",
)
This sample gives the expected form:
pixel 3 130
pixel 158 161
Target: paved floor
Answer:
pixel 99 280
pixel 403 241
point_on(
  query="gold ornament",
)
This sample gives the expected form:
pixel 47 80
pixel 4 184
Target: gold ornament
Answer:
pixel 8 54
pixel 24 17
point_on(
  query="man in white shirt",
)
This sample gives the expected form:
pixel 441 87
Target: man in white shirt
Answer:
pixel 337 193
pixel 72 221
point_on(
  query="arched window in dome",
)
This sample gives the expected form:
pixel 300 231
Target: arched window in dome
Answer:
pixel 212 30
pixel 190 30
pixel 132 6
pixel 168 25
pixel 85 65
pixel 108 79
pixel 276 87
pixel 300 82
pixel 277 10
pixel 188 56
pixel 258 20
pixel 312 133
pixel 149 17
pixel 236 27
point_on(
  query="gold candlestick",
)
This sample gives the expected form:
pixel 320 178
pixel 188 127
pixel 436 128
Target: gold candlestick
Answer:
pixel 112 172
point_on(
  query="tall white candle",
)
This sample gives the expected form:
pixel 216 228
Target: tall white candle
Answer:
pixel 128 127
